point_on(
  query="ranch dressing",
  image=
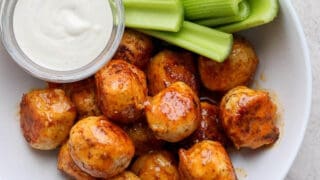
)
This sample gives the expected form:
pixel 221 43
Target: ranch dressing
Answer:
pixel 62 34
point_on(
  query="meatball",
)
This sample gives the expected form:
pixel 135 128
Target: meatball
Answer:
pixel 135 48
pixel 248 117
pixel 206 160
pixel 122 91
pixel 174 113
pixel 168 67
pixel 156 165
pixel 237 69
pixel 99 147
pixel 82 94
pixel 46 117
pixel 210 128
pixel 143 138
pixel 126 175
pixel 67 166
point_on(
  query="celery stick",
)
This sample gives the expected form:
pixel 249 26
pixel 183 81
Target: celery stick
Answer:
pixel 262 12
pixel 199 39
pixel 164 15
pixel 244 12
pixel 202 9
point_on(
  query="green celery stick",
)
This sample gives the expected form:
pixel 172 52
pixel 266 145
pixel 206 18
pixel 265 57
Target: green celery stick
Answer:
pixel 203 9
pixel 163 15
pixel 262 12
pixel 199 39
pixel 244 12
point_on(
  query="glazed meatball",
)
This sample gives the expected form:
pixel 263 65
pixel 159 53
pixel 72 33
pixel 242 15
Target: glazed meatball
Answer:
pixel 99 147
pixel 174 113
pixel 248 117
pixel 143 138
pixel 168 67
pixel 135 48
pixel 126 175
pixel 46 117
pixel 67 166
pixel 209 128
pixel 206 160
pixel 122 91
pixel 82 94
pixel 237 69
pixel 156 165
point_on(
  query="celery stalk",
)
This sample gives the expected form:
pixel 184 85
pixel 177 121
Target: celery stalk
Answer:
pixel 164 15
pixel 262 12
pixel 244 12
pixel 202 9
pixel 199 39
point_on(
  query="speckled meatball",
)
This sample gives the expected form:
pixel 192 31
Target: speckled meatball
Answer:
pixel 248 117
pixel 168 67
pixel 67 166
pixel 206 160
pixel 143 138
pixel 210 128
pixel 174 113
pixel 46 117
pixel 156 165
pixel 126 175
pixel 135 48
pixel 237 69
pixel 122 91
pixel 99 147
pixel 82 94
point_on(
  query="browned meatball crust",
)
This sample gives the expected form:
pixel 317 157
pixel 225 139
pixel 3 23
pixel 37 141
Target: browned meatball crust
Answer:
pixel 237 69
pixel 122 91
pixel 67 166
pixel 135 48
pixel 83 95
pixel 206 160
pixel 143 138
pixel 99 147
pixel 174 113
pixel 46 117
pixel 126 175
pixel 209 128
pixel 248 117
pixel 168 67
pixel 156 165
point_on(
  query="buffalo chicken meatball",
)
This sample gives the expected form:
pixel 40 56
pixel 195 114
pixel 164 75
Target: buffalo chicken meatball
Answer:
pixel 135 48
pixel 143 138
pixel 125 175
pixel 237 69
pixel 174 113
pixel 206 160
pixel 168 67
pixel 82 94
pixel 248 117
pixel 67 165
pixel 210 128
pixel 99 147
pixel 122 91
pixel 156 165
pixel 46 117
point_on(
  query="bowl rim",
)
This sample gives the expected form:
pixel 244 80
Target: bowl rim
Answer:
pixel 307 105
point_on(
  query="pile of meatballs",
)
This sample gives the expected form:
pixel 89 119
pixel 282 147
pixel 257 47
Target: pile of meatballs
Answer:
pixel 153 112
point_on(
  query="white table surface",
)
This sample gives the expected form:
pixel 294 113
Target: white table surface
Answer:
pixel 307 163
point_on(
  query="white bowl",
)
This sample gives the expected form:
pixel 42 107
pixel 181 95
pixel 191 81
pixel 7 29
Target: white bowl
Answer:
pixel 285 66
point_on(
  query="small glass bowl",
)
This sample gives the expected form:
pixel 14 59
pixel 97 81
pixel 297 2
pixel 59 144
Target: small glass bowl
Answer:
pixel 8 39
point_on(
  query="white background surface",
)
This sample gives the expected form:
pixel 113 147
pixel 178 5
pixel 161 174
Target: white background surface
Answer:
pixel 307 163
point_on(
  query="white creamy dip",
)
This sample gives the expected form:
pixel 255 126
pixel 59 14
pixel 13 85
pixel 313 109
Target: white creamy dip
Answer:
pixel 62 34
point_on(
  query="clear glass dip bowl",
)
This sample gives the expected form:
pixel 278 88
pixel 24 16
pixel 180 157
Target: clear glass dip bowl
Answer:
pixel 8 39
